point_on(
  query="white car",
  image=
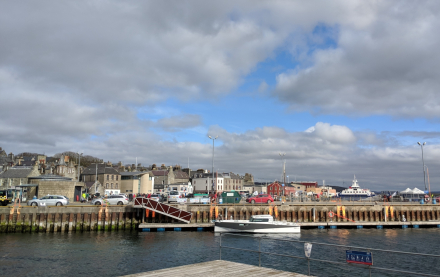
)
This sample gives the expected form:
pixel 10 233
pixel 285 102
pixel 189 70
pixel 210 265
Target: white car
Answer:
pixel 111 200
pixel 50 200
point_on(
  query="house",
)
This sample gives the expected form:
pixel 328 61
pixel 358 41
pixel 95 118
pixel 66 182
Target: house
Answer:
pixel 166 176
pixel 183 188
pixel 105 175
pixel 137 182
pixel 16 176
pixel 276 189
pixel 233 181
pixel 204 183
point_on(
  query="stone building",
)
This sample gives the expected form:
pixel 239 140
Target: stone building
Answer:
pixel 106 175
pixel 55 185
pixel 166 176
pixel 16 176
pixel 65 167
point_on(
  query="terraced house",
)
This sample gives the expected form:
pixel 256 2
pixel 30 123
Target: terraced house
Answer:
pixel 108 177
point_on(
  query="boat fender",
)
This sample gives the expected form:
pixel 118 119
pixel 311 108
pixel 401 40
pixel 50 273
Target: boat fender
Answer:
pixel 331 214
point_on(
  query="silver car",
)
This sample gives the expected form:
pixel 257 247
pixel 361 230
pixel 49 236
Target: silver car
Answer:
pixel 49 200
pixel 111 200
pixel 173 196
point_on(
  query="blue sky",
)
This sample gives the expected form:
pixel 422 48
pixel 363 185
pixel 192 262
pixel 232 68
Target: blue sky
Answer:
pixel 341 88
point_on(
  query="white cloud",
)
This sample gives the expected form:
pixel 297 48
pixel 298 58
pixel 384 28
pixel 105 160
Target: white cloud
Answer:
pixel 386 65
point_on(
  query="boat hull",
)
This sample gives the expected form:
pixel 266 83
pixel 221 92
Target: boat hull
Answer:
pixel 248 227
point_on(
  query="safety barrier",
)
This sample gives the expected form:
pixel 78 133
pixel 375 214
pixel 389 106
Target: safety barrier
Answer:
pixel 370 267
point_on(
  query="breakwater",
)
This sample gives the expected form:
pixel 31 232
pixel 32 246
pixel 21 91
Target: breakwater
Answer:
pixel 96 218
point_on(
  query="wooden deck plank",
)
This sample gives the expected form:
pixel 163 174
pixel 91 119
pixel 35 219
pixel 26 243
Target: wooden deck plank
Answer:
pixel 216 268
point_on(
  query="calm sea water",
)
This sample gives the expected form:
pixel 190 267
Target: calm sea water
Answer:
pixel 122 253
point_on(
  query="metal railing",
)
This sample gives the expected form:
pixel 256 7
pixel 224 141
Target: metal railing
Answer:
pixel 347 247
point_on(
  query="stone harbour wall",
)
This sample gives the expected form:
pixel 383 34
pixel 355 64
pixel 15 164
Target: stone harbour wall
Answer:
pixel 15 219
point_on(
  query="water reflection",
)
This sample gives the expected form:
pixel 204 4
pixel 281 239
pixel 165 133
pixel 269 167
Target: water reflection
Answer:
pixel 122 253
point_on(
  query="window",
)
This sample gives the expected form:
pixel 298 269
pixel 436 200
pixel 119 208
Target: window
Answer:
pixel 116 187
pixel 194 182
pixel 111 186
pixel 106 186
pixel 107 177
pixel 113 177
pixel 117 177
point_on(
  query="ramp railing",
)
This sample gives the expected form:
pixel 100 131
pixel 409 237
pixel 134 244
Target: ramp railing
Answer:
pixel 161 208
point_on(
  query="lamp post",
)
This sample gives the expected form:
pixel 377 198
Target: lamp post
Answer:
pixel 423 161
pixel 79 165
pixel 213 139
pixel 284 169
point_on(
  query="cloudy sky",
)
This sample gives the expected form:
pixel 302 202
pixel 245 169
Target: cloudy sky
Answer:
pixel 340 87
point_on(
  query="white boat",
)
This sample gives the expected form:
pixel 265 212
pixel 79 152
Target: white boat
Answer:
pixel 256 224
pixel 355 192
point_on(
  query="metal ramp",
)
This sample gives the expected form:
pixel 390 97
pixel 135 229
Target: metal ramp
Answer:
pixel 147 203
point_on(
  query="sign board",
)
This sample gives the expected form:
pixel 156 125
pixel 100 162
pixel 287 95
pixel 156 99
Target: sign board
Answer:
pixel 307 249
pixel 181 200
pixel 358 257
pixel 229 194
pixel 204 200
pixel 194 200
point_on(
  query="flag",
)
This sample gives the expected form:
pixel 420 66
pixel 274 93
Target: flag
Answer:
pixel 394 194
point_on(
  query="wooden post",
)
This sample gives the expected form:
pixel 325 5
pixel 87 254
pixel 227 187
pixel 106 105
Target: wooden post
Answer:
pixel 57 223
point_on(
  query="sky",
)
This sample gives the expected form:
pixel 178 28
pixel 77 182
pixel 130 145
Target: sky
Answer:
pixel 342 88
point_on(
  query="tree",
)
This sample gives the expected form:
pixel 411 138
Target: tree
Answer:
pixel 85 160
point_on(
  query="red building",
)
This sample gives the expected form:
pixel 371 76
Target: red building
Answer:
pixel 276 189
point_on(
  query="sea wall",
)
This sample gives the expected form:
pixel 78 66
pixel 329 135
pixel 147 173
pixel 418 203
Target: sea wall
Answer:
pixel 97 218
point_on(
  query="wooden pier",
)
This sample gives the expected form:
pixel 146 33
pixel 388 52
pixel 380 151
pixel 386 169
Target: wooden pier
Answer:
pixel 216 268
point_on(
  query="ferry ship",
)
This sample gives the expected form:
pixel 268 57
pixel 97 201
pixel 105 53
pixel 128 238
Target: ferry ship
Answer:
pixel 355 192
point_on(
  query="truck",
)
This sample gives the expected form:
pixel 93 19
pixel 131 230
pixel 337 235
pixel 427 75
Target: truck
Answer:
pixel 5 197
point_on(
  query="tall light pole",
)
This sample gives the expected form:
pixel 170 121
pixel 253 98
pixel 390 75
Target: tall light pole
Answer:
pixel 423 161
pixel 284 169
pixel 79 165
pixel 213 139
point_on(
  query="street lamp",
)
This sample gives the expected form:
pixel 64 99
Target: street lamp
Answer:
pixel 423 161
pixel 79 165
pixel 213 139
pixel 284 169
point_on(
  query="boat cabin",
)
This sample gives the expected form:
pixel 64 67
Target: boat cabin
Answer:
pixel 261 218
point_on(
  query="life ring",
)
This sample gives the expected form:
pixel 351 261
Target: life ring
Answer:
pixel 331 214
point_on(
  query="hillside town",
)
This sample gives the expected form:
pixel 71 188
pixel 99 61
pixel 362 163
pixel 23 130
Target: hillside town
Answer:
pixel 31 175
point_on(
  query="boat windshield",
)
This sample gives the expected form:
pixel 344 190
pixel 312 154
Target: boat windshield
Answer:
pixel 259 219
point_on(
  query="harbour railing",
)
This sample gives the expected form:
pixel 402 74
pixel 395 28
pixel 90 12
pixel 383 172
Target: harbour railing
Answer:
pixel 348 248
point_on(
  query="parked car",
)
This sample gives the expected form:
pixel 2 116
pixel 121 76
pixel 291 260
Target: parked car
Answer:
pixel 173 196
pixel 156 197
pixel 261 198
pixel 49 200
pixel 111 200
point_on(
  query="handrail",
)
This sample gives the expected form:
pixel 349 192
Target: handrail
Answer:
pixel 370 267
pixel 347 246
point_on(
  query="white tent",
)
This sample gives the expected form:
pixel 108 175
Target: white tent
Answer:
pixel 418 191
pixel 407 191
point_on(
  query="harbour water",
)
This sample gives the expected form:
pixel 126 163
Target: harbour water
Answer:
pixel 122 253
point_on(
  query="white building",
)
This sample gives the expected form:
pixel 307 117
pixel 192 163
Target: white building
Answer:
pixel 201 181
